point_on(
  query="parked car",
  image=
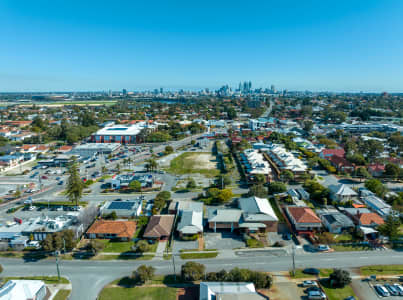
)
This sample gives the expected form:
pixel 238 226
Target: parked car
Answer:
pixel 312 288
pixel 60 182
pixel 44 177
pixel 391 289
pixel 350 298
pixel 311 271
pixel 34 244
pixel 287 236
pixel 399 288
pixel 59 208
pixel 381 290
pixel 316 295
pixel 323 248
pixel 308 283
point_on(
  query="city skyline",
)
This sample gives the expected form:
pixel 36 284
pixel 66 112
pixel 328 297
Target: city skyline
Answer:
pixel 316 46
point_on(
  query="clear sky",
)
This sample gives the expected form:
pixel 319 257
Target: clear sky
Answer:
pixel 353 45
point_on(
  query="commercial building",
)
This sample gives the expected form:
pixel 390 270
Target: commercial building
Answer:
pixel 23 290
pixel 123 134
pixel 228 291
pixel 91 149
pixel 125 209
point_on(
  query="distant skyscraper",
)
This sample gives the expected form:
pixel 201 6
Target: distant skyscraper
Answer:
pixel 273 88
pixel 124 92
pixel 161 90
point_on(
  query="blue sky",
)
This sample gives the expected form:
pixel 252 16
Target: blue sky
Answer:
pixel 98 45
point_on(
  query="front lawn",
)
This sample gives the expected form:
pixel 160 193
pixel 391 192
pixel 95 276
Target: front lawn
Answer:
pixel 143 293
pixel 382 270
pixel 337 293
pixel 350 248
pixel 116 247
pixel 46 279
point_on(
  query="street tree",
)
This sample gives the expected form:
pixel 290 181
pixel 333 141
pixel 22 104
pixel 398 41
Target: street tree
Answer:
pixel 144 273
pixel 391 227
pixel 135 185
pixel 95 246
pixel 75 185
pixel 339 278
pixel 192 271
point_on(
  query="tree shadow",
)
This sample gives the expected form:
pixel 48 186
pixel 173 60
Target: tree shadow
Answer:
pixel 33 256
pixel 127 282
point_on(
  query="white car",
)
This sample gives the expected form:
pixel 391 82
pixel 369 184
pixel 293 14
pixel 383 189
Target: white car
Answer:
pixel 323 248
pixel 309 283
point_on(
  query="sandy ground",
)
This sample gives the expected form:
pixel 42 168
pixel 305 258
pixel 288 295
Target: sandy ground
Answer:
pixel 203 161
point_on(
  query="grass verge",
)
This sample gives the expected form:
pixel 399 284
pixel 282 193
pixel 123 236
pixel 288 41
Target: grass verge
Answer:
pixel 198 255
pixel 300 275
pixel 46 279
pixel 382 270
pixel 144 293
pixel 62 295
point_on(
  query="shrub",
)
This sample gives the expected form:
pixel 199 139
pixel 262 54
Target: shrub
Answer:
pixel 339 278
pixel 144 273
pixel 193 237
pixel 192 271
pixel 142 246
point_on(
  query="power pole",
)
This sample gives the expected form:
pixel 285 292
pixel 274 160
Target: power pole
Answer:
pixel 293 260
pixel 57 263
pixel 173 263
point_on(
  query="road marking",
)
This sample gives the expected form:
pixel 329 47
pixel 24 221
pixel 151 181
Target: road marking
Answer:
pixel 364 257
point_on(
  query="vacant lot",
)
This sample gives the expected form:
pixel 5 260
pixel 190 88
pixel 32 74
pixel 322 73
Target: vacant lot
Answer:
pixel 143 293
pixel 194 162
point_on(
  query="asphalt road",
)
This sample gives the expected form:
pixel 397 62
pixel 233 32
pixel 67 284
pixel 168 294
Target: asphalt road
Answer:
pixel 89 277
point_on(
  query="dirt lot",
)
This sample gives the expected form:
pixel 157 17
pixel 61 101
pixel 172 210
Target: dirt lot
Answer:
pixel 202 161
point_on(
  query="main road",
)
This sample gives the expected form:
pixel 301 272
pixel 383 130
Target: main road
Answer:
pixel 89 277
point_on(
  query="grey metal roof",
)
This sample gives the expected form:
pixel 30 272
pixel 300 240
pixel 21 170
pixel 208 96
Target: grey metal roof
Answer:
pixel 191 222
pixel 224 215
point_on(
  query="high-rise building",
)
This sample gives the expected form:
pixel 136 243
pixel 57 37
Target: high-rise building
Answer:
pixel 124 92
pixel 273 88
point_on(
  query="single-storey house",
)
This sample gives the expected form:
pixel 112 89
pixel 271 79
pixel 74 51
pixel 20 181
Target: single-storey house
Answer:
pixel 191 218
pixel 303 219
pixel 258 214
pixel 23 290
pixel 126 208
pixel 334 220
pixel 220 218
pixel 159 227
pixel 109 229
pixel 342 193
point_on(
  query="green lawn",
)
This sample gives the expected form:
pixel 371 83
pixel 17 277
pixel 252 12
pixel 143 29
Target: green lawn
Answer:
pixel 143 293
pixel 62 295
pixel 116 247
pixel 350 248
pixel 187 163
pixel 59 203
pixel 254 243
pixel 198 255
pixel 46 279
pixel 382 270
pixel 123 257
pixel 276 209
pixel 338 293
pixel 300 275
pixel 343 237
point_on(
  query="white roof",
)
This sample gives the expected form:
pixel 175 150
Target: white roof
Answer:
pixel 20 289
pixel 191 222
pixel 256 205
pixel 122 129
pixel 342 190
pixel 214 288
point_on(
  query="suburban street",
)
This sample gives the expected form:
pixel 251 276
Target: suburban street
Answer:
pixel 88 277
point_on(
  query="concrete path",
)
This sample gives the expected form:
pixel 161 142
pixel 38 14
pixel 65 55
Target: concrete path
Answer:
pixel 160 250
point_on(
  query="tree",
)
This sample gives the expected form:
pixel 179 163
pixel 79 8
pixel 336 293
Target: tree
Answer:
pixel 308 125
pixel 95 246
pixel 1 269
pixel 111 216
pixel 142 246
pixel 104 170
pixel 135 185
pixel 192 271
pixel 325 238
pixel 357 159
pixel 362 173
pixel 191 184
pixel 223 181
pixel 339 278
pixel 391 227
pixel 392 170
pixel 277 187
pixel 224 196
pixel 287 176
pixel 75 185
pixel 151 165
pixel 376 186
pixel 258 190
pixel 169 149
pixel 144 273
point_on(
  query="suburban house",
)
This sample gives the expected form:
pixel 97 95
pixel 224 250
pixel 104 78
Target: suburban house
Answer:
pixel 342 193
pixel 328 153
pixel 191 219
pixel 124 209
pixel 220 218
pixel 303 219
pixel 109 229
pixel 257 214
pixel 228 291
pixel 364 217
pixel 376 170
pixel 23 290
pixel 341 164
pixel 377 205
pixel 159 227
pixel 334 220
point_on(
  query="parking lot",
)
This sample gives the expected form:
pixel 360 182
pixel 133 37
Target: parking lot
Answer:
pixel 222 240
pixel 364 289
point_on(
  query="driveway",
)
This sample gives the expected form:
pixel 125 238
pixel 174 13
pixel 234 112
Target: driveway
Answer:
pixel 222 240
pixel 184 245
pixel 283 288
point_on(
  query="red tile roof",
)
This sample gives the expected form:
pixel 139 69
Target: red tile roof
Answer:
pixel 339 152
pixel 122 229
pixel 303 214
pixel 369 219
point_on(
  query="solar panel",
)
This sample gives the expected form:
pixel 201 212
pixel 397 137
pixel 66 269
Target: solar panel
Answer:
pixel 121 205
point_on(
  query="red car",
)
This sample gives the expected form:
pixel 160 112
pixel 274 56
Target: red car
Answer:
pixel 44 177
